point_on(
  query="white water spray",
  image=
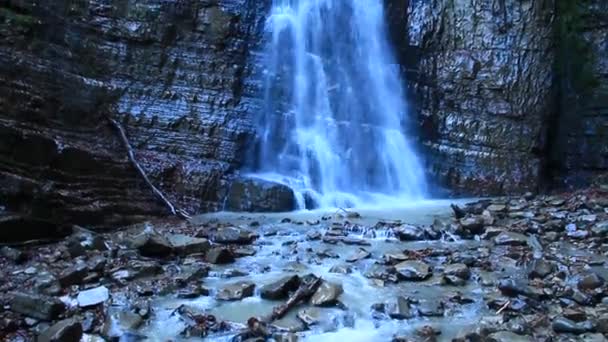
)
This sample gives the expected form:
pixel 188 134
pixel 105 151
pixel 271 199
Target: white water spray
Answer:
pixel 333 122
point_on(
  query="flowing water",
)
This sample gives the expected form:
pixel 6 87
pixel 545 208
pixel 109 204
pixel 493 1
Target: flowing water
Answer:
pixel 334 118
pixel 283 249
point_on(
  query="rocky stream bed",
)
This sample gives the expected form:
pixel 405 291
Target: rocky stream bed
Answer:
pixel 528 268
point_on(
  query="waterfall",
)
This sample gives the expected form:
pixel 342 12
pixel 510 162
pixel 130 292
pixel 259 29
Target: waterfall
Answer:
pixel 333 121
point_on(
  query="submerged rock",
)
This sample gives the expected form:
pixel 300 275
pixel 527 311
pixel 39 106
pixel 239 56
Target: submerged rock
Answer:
pixel 327 294
pixel 236 291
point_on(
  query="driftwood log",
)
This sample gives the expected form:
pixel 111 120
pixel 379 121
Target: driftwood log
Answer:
pixel 161 197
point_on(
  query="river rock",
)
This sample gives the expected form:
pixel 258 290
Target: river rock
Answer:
pixel 189 273
pixel 289 324
pixel 152 244
pixel 459 270
pixel 564 325
pixel 342 269
pixel 36 306
pixel 185 245
pixel 413 270
pixel 280 289
pixel 510 239
pixel 507 336
pixel 47 283
pixel 93 296
pixel 68 330
pixel 360 254
pixel 236 291
pixel 232 235
pixel 120 324
pixel 13 254
pixel 327 294
pixel 541 268
pixel 600 229
pixel 219 255
pixel 73 275
pixel 472 224
pixel 590 281
pixel 408 232
pixel 310 316
pixel 431 308
pixel 496 208
pixel 401 309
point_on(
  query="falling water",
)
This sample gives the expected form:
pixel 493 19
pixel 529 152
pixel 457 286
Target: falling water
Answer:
pixel 334 115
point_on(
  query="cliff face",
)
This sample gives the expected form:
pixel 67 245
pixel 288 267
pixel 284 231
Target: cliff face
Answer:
pixel 482 78
pixel 177 71
pixel 493 84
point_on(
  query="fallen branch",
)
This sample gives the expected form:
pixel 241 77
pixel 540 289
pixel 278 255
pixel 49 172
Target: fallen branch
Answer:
pixel 260 327
pixel 305 291
pixel 503 307
pixel 125 141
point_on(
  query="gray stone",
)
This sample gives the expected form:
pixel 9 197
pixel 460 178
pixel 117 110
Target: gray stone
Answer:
pixel 590 281
pixel 507 336
pixel 280 289
pixel 510 239
pixel 564 325
pixel 120 324
pixel 407 232
pixel 236 291
pixel 40 307
pixel 152 244
pixel 310 316
pixel 232 235
pixel 541 268
pixel 459 270
pixel 257 195
pixel 219 255
pixel 327 294
pixel 342 269
pixel 185 245
pixel 472 224
pixel 68 330
pixel 401 309
pixel 413 270
pixel 73 275
pixel 360 254
pixel 93 296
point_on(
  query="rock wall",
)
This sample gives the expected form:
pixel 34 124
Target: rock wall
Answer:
pixel 481 75
pixel 179 73
pixel 579 144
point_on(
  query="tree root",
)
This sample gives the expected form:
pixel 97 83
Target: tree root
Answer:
pixel 161 197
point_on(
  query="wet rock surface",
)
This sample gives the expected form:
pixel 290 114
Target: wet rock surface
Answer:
pixel 516 274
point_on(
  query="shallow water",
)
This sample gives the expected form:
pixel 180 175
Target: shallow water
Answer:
pixel 289 252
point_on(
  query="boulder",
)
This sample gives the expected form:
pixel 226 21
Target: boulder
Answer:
pixel 459 270
pixel 68 330
pixel 327 294
pixel 257 195
pixel 360 254
pixel 564 325
pixel 280 289
pixel 36 306
pixel 408 232
pixel 73 275
pixel 236 291
pixel 413 270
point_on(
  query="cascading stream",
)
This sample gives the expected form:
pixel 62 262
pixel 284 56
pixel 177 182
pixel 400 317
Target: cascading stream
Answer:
pixel 334 117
